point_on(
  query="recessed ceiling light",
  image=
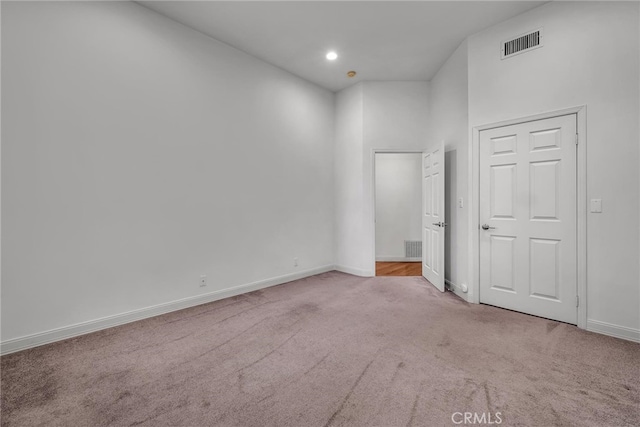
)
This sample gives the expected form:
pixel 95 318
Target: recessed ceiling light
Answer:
pixel 332 56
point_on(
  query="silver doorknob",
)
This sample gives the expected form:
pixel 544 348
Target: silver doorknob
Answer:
pixel 486 227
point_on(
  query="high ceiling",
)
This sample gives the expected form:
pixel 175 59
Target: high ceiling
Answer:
pixel 380 40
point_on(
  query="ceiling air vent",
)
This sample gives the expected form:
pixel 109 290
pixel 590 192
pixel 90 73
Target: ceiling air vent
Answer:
pixel 521 44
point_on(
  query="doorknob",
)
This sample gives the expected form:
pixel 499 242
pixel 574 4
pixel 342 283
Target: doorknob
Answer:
pixel 440 224
pixel 486 227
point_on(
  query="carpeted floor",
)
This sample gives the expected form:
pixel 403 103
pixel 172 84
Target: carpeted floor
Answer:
pixel 329 350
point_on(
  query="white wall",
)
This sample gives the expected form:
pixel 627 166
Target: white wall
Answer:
pixel 590 57
pixel 348 187
pixel 398 197
pixel 449 122
pixel 138 154
pixel 392 115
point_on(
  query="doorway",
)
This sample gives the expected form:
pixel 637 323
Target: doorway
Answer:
pixel 398 217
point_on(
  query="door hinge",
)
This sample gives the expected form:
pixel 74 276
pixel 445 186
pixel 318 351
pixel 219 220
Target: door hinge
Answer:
pixel 576 139
pixel 577 301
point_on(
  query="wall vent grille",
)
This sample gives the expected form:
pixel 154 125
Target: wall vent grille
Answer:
pixel 413 248
pixel 521 44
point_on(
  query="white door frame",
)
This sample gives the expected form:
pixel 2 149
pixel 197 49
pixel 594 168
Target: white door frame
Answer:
pixel 581 191
pixel 375 151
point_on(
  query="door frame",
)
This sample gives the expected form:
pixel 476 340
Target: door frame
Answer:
pixel 372 222
pixel 581 192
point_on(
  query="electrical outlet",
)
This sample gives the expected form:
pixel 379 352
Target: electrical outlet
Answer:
pixel 203 281
pixel 295 262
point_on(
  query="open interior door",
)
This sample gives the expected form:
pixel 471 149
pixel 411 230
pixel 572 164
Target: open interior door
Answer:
pixel 433 216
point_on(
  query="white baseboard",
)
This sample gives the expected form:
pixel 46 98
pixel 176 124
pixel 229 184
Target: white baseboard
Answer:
pixel 354 271
pixel 613 330
pixel 397 259
pixel 58 334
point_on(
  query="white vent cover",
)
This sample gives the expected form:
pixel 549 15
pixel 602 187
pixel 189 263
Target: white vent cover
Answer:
pixel 522 43
pixel 413 248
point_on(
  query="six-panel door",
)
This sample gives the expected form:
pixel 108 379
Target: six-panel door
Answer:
pixel 528 257
pixel 433 224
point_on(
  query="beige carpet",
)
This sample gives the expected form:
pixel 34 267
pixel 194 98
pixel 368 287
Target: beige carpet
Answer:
pixel 329 350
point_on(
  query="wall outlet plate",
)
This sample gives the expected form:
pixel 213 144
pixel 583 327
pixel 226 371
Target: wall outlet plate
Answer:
pixel 203 281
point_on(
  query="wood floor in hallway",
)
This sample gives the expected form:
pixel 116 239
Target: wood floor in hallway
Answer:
pixel 398 269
